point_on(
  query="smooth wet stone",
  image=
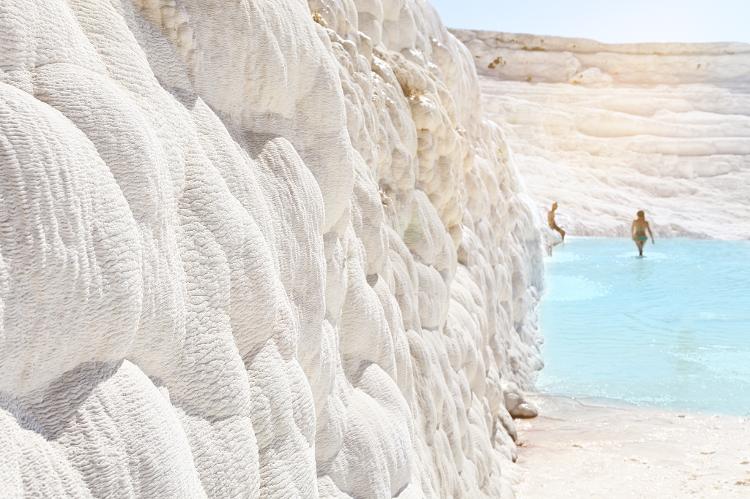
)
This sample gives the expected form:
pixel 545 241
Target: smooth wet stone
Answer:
pixel 524 411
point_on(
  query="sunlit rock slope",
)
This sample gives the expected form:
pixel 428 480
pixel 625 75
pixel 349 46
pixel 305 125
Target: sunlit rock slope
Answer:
pixel 255 249
pixel 609 129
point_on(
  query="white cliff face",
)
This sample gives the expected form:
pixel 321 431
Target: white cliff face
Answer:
pixel 255 248
pixel 610 129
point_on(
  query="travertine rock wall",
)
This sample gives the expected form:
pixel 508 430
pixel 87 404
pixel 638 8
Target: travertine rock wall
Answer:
pixel 609 129
pixel 254 248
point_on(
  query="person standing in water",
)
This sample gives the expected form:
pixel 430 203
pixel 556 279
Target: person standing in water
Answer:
pixel 551 221
pixel 638 231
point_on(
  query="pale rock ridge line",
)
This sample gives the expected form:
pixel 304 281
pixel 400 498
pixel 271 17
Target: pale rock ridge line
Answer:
pixel 609 129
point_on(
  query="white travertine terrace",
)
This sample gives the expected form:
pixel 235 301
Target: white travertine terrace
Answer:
pixel 255 249
pixel 610 129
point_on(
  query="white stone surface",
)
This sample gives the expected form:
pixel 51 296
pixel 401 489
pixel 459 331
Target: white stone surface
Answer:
pixel 607 130
pixel 582 449
pixel 254 248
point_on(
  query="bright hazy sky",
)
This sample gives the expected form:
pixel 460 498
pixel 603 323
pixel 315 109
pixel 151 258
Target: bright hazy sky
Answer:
pixel 606 20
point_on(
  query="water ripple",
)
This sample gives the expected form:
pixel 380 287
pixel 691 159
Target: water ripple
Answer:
pixel 671 329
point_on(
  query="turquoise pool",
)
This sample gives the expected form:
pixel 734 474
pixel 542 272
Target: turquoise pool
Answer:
pixel 669 330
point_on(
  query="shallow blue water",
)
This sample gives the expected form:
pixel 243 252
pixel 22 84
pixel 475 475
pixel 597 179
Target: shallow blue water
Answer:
pixel 669 330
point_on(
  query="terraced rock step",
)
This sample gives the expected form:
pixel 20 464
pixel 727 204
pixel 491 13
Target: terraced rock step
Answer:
pixel 609 129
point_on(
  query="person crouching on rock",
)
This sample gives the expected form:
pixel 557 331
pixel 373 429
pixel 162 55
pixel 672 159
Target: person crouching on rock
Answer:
pixel 638 231
pixel 551 221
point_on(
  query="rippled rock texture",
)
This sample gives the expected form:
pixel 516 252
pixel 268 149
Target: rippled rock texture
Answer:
pixel 610 129
pixel 255 249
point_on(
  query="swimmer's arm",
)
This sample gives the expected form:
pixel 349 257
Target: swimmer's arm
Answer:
pixel 648 227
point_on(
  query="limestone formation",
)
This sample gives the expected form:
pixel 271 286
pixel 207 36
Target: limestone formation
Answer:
pixel 255 249
pixel 607 129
